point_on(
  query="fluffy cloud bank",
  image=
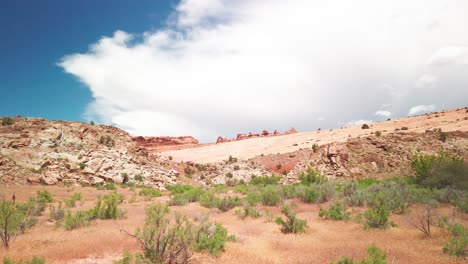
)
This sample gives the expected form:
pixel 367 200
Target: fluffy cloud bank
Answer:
pixel 220 67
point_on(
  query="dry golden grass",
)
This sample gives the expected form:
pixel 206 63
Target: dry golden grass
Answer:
pixel 258 241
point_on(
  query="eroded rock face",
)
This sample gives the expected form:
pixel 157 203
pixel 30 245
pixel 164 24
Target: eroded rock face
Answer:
pixel 51 152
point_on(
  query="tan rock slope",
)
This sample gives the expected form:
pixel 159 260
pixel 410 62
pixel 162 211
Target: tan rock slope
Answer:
pixel 451 120
pixel 41 151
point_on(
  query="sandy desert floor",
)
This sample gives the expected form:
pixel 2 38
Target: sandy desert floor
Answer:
pixel 258 241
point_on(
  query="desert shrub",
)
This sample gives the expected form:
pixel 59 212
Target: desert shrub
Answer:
pixel 364 183
pixel 271 196
pixel 247 211
pixel 34 260
pixel 404 128
pixel 443 136
pixel 208 200
pixel 108 207
pixel 253 198
pixel 150 192
pixel 71 202
pixel 311 176
pixel 315 147
pixel 292 224
pixel 438 171
pixel 138 177
pixel 336 211
pixel 107 141
pixel 374 256
pixel 395 196
pixel 82 165
pixel 228 202
pixel 309 195
pixel 201 167
pixel 325 191
pixel 58 213
pixel 125 178
pixel 211 237
pixel 229 175
pixel 76 220
pixel 265 180
pixel 44 197
pixel 458 243
pixel 378 133
pixel 163 242
pixel 231 159
pixel 7 121
pixel 236 167
pixel 426 217
pixel 184 194
pixel 358 198
pixel 15 218
pixel 349 188
pixel 365 126
pixel 377 216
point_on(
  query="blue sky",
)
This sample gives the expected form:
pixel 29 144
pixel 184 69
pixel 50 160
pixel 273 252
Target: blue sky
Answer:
pixel 37 34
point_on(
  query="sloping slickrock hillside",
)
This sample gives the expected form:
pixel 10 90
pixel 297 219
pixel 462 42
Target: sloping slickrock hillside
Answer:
pixel 451 120
pixel 49 152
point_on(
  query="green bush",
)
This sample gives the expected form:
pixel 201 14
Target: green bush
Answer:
pixel 458 244
pixel 292 224
pixel 336 211
pixel 377 216
pixel 375 256
pixel 107 141
pixel 326 191
pixel 265 180
pixel 311 176
pixel 162 242
pixel 15 219
pixel 76 220
pixel 58 213
pixel 211 241
pixel 271 195
pixel 71 202
pixel 438 171
pixel 228 202
pixel 378 133
pixel 138 177
pixel 34 260
pixel 108 207
pixel 150 192
pixel 7 121
pixel 309 195
pixel 44 197
pixel 183 194
pixel 247 211
pixel 208 200
pixel 166 243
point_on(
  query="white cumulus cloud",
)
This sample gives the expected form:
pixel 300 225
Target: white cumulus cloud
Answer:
pixel 419 109
pixel 219 67
pixel 383 113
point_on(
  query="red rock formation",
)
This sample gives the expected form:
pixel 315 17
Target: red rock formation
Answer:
pixel 291 131
pixel 158 143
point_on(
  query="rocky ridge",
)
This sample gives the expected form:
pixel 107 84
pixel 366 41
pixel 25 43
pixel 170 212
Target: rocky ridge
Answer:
pixel 36 150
